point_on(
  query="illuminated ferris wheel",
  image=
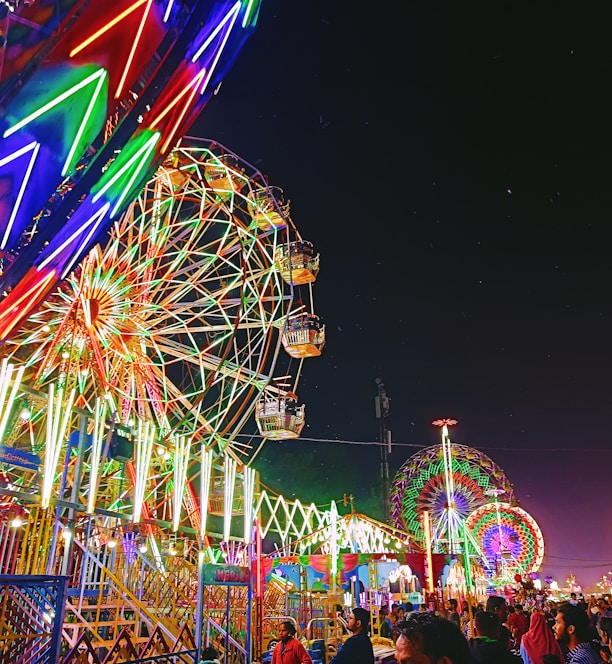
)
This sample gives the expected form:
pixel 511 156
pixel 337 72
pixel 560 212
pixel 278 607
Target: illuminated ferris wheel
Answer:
pixel 176 321
pixel 438 487
pixel 508 537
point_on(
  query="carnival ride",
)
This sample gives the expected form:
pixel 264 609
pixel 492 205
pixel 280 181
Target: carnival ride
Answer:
pixel 509 537
pixel 131 362
pixel 94 96
pixel 149 293
pixel 130 386
pixel 447 497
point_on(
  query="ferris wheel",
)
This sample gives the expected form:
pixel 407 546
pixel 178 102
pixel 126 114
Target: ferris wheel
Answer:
pixel 177 320
pixel 509 538
pixel 438 487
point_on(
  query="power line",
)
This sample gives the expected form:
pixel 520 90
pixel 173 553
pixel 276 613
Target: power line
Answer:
pixel 422 447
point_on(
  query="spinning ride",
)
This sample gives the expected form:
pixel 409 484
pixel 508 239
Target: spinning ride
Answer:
pixel 94 96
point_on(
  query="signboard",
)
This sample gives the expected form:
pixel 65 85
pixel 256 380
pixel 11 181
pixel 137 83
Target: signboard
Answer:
pixel 226 575
pixel 19 458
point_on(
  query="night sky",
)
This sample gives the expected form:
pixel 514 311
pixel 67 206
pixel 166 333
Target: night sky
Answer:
pixel 452 163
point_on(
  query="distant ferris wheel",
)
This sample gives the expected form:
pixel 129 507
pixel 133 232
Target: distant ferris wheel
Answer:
pixel 444 484
pixel 509 538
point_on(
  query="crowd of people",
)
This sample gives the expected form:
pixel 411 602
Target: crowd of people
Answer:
pixel 569 632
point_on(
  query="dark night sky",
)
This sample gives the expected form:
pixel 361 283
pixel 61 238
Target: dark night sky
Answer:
pixel 452 163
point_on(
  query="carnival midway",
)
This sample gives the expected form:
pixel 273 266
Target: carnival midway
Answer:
pixel 157 301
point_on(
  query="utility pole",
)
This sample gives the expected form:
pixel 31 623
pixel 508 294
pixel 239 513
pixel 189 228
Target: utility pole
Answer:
pixel 381 404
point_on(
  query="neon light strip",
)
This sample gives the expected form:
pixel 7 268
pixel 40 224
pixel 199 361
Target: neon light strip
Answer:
pixel 145 149
pixel 35 148
pixel 182 447
pixel 58 100
pixel 218 56
pixel 234 10
pixel 106 28
pixel 96 453
pixel 228 495
pixel 205 473
pixel 57 423
pixel 186 107
pixel 194 82
pixel 247 13
pixel 31 295
pixel 6 373
pixel 144 447
pixel 168 10
pixel 97 217
pixel 427 531
pixel 333 549
pixel 102 77
pixel 128 64
pixel 249 492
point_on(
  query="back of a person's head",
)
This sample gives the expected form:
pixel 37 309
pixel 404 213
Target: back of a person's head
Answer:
pixel 408 607
pixel 209 654
pixel 435 636
pixel 551 659
pixel 605 625
pixel 486 623
pixel 494 602
pixel 574 615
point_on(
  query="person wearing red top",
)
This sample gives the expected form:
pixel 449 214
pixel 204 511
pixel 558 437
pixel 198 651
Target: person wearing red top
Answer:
pixel 518 623
pixel 289 650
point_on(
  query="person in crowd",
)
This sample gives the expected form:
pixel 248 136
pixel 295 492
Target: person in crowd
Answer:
pixel 393 614
pixel 572 631
pixel 518 623
pixel 452 613
pixel 597 608
pixel 357 649
pixel 210 655
pixel 426 638
pixel 485 647
pixel 289 650
pixel 539 641
pixel 550 613
pixel 498 605
pixel 384 628
pixel 604 628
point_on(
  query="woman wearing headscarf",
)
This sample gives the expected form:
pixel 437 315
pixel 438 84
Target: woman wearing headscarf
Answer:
pixel 539 641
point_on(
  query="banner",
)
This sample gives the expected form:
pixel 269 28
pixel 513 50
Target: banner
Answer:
pixel 19 458
pixel 226 575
